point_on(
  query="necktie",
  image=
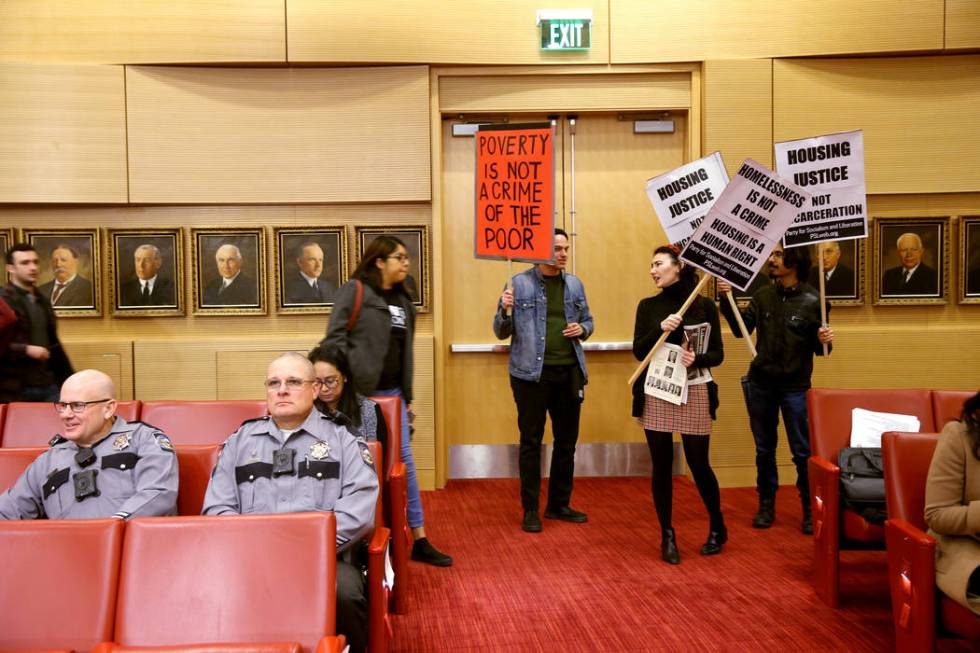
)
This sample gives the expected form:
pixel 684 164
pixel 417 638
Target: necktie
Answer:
pixel 58 289
pixel 826 276
pixel 146 292
pixel 908 275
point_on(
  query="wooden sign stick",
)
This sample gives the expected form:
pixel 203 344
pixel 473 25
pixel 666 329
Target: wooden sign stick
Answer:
pixel 823 298
pixel 741 324
pixel 663 337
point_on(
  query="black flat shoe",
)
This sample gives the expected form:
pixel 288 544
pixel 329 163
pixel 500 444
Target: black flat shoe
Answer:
pixel 423 551
pixel 531 522
pixel 668 548
pixel 566 514
pixel 716 539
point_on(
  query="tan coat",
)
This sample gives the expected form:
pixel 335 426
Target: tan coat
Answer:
pixel 953 512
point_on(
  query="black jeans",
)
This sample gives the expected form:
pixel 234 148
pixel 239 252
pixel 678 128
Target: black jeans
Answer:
pixel 557 394
pixel 352 606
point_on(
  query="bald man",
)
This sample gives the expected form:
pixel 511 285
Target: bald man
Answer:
pixel 838 278
pixel 912 277
pixel 100 466
pixel 148 288
pixel 232 287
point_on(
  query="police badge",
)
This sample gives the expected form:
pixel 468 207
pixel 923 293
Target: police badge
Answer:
pixel 319 450
pixel 121 442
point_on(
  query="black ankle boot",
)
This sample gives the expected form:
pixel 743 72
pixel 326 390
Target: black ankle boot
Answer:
pixel 806 527
pixel 668 547
pixel 766 515
pixel 716 538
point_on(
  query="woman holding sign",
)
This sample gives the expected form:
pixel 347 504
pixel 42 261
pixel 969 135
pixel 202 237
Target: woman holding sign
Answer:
pixel 698 333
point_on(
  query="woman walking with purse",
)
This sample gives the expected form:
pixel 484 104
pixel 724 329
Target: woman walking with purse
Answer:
pixel 661 419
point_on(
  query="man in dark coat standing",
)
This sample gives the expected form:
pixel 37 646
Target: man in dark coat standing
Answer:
pixel 33 364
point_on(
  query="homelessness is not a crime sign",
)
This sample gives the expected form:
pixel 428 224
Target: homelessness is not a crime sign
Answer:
pixel 515 192
pixel 681 198
pixel 831 168
pixel 744 224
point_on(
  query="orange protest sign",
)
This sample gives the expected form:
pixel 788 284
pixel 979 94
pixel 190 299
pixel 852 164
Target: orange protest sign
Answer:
pixel 515 192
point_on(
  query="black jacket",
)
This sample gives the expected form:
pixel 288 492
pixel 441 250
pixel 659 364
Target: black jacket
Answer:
pixel 14 338
pixel 787 320
pixel 652 311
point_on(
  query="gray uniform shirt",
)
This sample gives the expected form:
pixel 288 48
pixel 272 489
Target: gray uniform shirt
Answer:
pixel 135 475
pixel 329 470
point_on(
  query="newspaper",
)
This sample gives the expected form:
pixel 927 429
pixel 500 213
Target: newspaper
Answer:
pixel 867 426
pixel 697 341
pixel 667 376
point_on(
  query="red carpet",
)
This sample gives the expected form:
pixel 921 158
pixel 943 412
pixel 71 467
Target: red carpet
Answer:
pixel 601 586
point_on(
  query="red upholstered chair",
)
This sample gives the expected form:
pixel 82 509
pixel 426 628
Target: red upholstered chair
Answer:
pixel 58 582
pixel 911 551
pixel 835 528
pixel 13 462
pixel 32 424
pixel 947 405
pixel 379 622
pixel 201 422
pixel 194 462
pixel 200 583
pixel 396 502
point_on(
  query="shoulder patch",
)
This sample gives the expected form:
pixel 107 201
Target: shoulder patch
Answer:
pixel 56 440
pixel 163 441
pixel 365 453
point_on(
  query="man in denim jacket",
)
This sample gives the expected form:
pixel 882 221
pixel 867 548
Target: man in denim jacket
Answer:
pixel 547 375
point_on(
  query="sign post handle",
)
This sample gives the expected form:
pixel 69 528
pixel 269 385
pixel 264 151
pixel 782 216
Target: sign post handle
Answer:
pixel 663 337
pixel 741 324
pixel 510 278
pixel 823 298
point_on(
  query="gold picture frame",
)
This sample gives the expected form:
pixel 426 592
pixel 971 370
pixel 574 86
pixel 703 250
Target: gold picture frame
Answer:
pixel 925 252
pixel 416 239
pixel 969 259
pixel 73 256
pixel 222 286
pixel 146 271
pixel 310 266
pixel 846 284
pixel 6 242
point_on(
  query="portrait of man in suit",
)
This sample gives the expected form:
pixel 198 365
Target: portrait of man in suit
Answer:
pixel 232 286
pixel 912 277
pixel 839 278
pixel 151 284
pixel 970 233
pixel 67 288
pixel 306 284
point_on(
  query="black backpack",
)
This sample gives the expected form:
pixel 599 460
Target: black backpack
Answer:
pixel 862 483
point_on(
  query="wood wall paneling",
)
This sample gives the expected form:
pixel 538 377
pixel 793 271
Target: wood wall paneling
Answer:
pixel 678 30
pixel 114 357
pixel 738 111
pixel 962 24
pixel 919 116
pixel 62 133
pixel 476 31
pixel 239 135
pixel 149 31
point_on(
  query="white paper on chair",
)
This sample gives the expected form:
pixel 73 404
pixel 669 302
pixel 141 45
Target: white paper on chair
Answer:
pixel 389 580
pixel 867 426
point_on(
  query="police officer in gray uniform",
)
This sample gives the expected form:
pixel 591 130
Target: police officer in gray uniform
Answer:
pixel 101 466
pixel 296 460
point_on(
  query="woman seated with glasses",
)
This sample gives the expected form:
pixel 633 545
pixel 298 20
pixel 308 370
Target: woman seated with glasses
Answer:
pixel 953 507
pixel 337 395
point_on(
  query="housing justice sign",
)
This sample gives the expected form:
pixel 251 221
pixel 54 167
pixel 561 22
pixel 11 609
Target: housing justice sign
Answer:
pixel 515 192
pixel 682 197
pixel 831 168
pixel 744 224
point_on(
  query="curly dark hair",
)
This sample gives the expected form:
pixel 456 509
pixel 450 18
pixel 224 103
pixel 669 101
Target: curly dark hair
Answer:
pixel 971 420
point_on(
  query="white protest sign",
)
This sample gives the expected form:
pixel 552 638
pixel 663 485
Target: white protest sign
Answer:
pixel 831 169
pixel 744 224
pixel 667 376
pixel 681 198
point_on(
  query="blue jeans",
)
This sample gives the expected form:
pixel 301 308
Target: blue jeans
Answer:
pixel 764 404
pixel 415 516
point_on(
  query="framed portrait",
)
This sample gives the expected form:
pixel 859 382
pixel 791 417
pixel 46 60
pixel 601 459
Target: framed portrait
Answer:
pixel 146 272
pixel 6 241
pixel 911 260
pixel 416 239
pixel 311 264
pixel 228 270
pixel 970 260
pixel 70 269
pixel 843 268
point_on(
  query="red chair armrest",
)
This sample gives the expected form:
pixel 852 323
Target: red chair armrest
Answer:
pixel 401 536
pixel 912 582
pixel 333 644
pixel 379 623
pixel 825 501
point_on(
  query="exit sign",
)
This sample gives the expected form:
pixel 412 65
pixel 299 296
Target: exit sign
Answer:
pixel 565 29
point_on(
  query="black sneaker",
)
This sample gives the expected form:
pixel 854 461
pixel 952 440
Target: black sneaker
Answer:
pixel 766 515
pixel 531 522
pixel 422 551
pixel 566 514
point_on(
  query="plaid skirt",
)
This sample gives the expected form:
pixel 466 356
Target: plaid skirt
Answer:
pixel 691 418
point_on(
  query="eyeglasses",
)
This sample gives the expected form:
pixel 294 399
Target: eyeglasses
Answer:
pixel 329 382
pixel 292 383
pixel 76 406
pixel 400 257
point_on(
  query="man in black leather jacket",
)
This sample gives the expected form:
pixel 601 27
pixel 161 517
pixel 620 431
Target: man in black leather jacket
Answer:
pixel 786 316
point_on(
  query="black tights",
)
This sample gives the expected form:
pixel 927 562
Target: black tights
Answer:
pixel 696 453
